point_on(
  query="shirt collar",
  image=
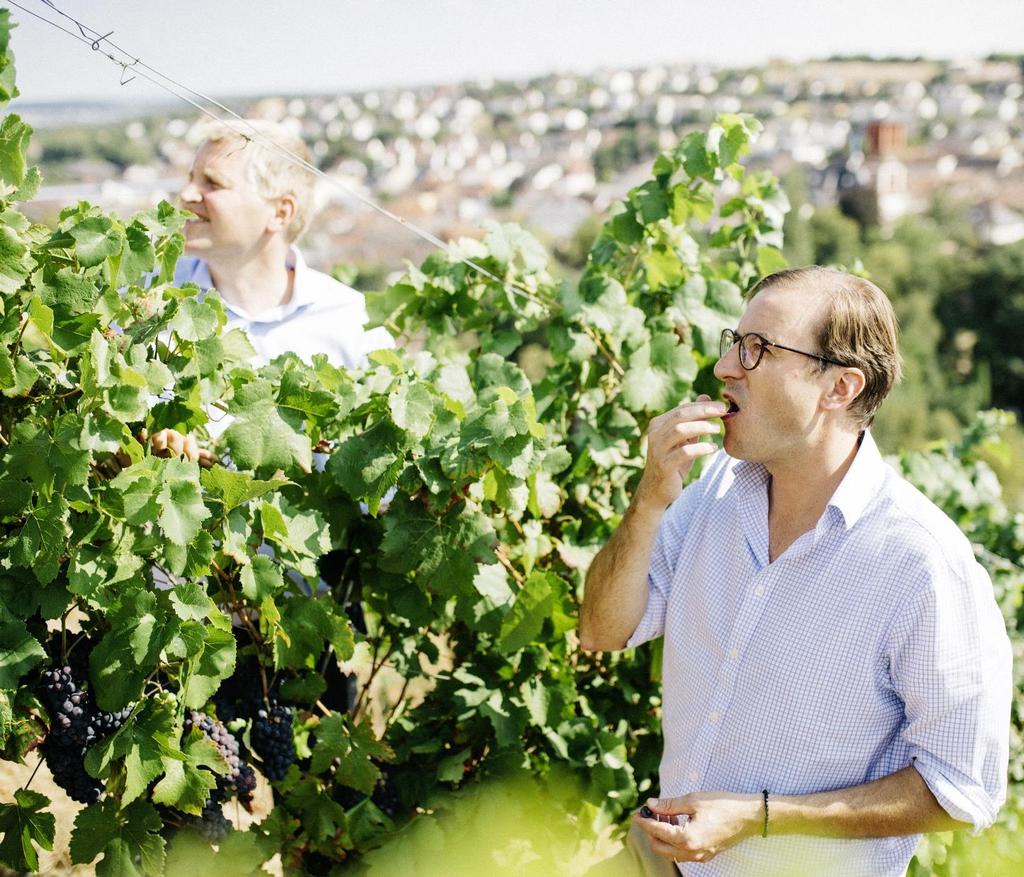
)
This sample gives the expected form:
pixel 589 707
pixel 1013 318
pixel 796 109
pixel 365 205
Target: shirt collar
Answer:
pixel 303 292
pixel 860 484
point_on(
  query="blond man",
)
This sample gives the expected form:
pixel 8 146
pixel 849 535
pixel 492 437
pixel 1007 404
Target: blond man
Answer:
pixel 836 671
pixel 251 203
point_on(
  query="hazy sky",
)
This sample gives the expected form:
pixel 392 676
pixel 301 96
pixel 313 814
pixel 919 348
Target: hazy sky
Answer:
pixel 226 47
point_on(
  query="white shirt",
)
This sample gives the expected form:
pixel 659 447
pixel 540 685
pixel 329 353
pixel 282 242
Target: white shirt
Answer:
pixel 322 316
pixel 872 643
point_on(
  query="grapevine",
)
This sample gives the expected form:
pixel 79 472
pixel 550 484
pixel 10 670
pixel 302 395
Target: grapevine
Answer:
pixel 465 498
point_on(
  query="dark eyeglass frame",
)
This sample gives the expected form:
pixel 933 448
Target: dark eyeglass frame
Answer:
pixel 731 337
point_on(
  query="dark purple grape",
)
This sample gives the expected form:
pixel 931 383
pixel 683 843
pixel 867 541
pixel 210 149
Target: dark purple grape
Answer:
pixel 212 824
pixel 67 765
pixel 69 706
pixel 385 794
pixel 272 739
pixel 75 725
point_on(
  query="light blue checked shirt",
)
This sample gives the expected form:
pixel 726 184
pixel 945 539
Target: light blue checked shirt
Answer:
pixel 874 642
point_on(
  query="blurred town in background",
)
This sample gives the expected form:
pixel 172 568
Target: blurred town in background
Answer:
pixel 909 169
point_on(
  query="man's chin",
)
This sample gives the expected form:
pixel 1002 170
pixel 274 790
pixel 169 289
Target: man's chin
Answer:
pixel 197 245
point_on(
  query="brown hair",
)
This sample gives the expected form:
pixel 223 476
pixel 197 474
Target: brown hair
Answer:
pixel 860 330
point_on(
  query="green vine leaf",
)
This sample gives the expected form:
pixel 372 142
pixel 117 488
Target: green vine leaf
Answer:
pixel 534 603
pixel 261 438
pixel 128 839
pixel 19 653
pixel 355 747
pixel 24 826
pixel 186 784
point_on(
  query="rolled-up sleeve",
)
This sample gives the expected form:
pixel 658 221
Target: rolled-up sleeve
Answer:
pixel 950 662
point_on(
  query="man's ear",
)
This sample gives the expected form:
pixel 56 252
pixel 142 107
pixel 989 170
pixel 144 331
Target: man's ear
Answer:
pixel 284 213
pixel 846 386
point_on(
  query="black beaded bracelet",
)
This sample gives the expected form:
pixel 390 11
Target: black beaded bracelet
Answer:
pixel 764 829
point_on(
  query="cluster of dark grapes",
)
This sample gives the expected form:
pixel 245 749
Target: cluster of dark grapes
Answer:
pixel 239 781
pixel 75 725
pixel 271 737
pixel 212 824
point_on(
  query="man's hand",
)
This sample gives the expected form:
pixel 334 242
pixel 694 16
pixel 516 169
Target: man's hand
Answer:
pixel 165 443
pixel 673 446
pixel 171 443
pixel 716 821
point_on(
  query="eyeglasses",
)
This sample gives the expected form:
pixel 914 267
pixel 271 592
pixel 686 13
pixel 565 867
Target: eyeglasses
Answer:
pixel 753 346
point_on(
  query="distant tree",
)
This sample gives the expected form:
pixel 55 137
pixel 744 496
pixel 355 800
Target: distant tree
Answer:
pixel 917 264
pixel 798 247
pixel 988 300
pixel 835 239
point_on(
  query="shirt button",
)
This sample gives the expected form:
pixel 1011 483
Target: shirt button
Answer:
pixel 713 717
pixel 693 776
pixel 734 654
pixel 759 590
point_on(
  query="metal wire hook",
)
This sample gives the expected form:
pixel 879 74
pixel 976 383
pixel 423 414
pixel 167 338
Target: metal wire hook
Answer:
pixel 124 69
pixel 96 42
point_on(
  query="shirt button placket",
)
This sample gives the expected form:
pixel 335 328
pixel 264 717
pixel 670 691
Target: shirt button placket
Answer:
pixel 750 613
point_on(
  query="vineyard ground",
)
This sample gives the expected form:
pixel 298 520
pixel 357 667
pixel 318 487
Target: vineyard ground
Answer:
pixel 58 862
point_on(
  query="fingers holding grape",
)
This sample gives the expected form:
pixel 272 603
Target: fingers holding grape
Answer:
pixel 674 444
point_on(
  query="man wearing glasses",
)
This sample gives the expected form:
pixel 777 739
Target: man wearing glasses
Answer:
pixel 836 670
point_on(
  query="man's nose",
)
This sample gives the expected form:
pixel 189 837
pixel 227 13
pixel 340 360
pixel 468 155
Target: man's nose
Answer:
pixel 729 366
pixel 189 193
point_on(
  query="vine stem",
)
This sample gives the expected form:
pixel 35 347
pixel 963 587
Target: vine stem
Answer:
pixel 21 334
pixel 373 672
pixel 375 668
pixel 240 610
pixel 64 650
pixel 35 770
pixel 237 606
pixel 627 280
pixel 499 552
pixel 395 710
pixel 612 359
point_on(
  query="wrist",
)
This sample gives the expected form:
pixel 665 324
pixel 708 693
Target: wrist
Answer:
pixel 786 815
pixel 647 505
pixel 755 817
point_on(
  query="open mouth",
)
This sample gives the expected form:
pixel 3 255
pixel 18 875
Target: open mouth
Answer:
pixel 733 409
